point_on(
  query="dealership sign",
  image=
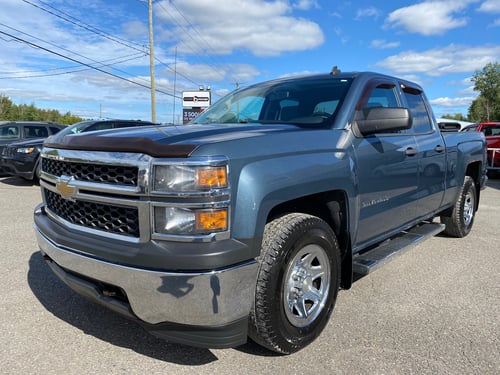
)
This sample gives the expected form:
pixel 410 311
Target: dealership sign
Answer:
pixel 190 114
pixel 196 99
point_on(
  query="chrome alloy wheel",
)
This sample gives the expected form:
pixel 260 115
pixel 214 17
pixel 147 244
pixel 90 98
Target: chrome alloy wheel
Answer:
pixel 469 207
pixel 306 285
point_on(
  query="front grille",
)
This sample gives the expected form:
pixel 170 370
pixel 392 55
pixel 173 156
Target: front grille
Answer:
pixel 110 174
pixel 9 152
pixel 114 219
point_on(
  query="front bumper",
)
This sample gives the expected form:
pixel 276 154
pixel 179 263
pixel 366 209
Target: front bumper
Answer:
pixel 208 309
pixel 21 168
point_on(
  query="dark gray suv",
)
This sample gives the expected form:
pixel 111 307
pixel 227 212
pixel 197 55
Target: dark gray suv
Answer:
pixel 16 131
pixel 23 158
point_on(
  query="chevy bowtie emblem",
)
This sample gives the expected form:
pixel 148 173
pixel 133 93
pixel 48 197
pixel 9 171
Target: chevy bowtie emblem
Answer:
pixel 64 188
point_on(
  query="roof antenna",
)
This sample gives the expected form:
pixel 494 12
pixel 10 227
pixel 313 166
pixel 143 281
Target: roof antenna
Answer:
pixel 335 70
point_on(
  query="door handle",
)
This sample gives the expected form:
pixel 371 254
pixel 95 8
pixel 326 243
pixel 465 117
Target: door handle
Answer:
pixel 439 148
pixel 410 151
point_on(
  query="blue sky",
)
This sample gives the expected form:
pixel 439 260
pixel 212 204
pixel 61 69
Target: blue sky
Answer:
pixel 90 57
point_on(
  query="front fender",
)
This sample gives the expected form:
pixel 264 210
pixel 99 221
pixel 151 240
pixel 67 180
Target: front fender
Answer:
pixel 264 184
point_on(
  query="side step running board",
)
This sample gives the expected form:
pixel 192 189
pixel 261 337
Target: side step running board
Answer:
pixel 370 260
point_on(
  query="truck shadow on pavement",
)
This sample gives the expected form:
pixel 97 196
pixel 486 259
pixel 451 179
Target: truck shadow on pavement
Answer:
pixel 105 325
pixel 17 181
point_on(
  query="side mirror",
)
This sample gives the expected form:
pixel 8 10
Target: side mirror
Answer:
pixel 384 120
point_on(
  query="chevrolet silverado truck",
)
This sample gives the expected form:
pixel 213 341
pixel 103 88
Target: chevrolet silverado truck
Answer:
pixel 248 221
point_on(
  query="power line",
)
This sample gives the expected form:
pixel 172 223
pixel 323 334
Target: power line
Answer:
pixel 203 46
pixel 67 72
pixel 33 45
pixel 54 45
pixel 173 70
pixel 75 53
pixel 188 33
pixel 108 62
pixel 75 21
pixel 88 27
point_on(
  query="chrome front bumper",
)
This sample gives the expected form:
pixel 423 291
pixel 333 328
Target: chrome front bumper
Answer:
pixel 213 298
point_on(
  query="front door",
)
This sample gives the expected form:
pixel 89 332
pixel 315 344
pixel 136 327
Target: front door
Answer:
pixel 387 172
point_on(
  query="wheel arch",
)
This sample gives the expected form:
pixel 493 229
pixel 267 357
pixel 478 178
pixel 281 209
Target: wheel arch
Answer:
pixel 474 170
pixel 331 207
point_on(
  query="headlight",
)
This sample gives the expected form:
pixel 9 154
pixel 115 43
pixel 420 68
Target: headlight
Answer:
pixel 25 150
pixel 191 198
pixel 187 221
pixel 187 178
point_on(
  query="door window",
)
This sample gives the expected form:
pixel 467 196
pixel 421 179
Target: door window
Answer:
pixel 383 95
pixel 10 132
pixel 37 131
pixel 418 109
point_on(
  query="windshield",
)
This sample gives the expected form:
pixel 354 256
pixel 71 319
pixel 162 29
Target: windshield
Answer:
pixel 76 128
pixel 304 101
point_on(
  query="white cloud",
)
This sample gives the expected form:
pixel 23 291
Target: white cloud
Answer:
pixel 135 29
pixel 429 17
pixel 383 44
pixel 306 4
pixel 264 28
pixel 441 61
pixel 490 6
pixel 468 91
pixel 370 12
pixel 209 73
pixel 452 102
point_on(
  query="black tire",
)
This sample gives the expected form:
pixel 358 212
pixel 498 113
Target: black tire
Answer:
pixel 37 171
pixel 459 222
pixel 297 285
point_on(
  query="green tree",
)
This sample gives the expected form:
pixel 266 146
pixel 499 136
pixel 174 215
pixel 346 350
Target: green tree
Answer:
pixel 23 112
pixel 476 110
pixel 456 116
pixel 487 82
pixel 5 107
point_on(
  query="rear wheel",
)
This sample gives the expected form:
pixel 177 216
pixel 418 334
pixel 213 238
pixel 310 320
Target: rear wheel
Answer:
pixel 459 223
pixel 297 285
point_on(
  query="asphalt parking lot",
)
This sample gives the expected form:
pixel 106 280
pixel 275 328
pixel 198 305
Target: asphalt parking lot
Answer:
pixel 434 310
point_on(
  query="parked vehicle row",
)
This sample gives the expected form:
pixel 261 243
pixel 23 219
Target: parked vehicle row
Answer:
pixel 22 142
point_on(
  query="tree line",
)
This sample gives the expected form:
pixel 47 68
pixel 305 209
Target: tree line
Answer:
pixel 24 112
pixel 486 107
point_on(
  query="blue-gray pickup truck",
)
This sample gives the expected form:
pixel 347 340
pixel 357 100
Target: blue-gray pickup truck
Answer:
pixel 248 221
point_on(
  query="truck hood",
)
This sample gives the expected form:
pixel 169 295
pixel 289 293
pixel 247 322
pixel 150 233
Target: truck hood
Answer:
pixel 163 141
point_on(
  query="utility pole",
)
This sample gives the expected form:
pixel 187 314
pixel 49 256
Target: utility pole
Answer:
pixel 152 62
pixel 175 82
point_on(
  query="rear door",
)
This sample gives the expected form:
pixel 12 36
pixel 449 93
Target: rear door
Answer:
pixel 387 176
pixel 431 153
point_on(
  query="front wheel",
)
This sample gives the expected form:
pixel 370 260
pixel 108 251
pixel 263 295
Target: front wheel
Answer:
pixel 297 285
pixel 37 171
pixel 459 222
